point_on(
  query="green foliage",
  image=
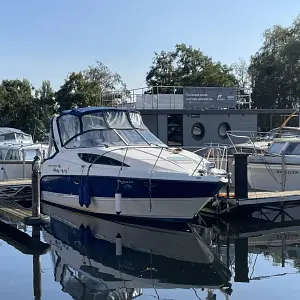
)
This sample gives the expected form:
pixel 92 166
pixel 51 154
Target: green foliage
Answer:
pixel 22 109
pixel 275 68
pixel 186 66
pixel 93 86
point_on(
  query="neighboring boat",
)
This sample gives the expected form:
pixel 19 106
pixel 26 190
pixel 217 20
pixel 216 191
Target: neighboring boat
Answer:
pixel 106 161
pixel 258 142
pixel 278 168
pixel 17 151
pixel 120 254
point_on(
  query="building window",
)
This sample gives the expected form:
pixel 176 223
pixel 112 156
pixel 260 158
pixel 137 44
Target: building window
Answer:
pixel 175 131
pixel 198 131
pixel 222 130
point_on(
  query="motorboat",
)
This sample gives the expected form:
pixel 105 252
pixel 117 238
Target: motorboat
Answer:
pixel 17 151
pixel 111 255
pixel 278 169
pixel 259 142
pixel 106 161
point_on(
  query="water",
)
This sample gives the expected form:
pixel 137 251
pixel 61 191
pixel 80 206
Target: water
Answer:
pixel 92 258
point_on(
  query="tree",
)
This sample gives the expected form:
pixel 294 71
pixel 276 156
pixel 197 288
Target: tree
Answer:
pixel 91 87
pixel 275 68
pixel 240 70
pixel 112 88
pixel 17 105
pixel 44 98
pixel 186 66
pixel 77 92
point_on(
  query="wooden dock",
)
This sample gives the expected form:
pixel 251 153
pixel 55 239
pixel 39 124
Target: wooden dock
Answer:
pixel 255 198
pixel 16 189
pixel 12 211
pixel 270 197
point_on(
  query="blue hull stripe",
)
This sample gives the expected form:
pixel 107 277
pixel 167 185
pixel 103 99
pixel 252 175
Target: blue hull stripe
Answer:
pixel 129 187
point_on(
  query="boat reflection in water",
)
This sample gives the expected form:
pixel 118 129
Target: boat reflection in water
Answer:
pixel 115 260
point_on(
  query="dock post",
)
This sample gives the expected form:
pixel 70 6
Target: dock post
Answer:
pixel 36 194
pixel 241 176
pixel 24 163
pixel 37 218
pixel 283 171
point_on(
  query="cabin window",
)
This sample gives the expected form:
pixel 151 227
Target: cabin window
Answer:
pixel 150 137
pixel 276 148
pixel 69 126
pixel 51 143
pixel 13 155
pixel 7 137
pixel 26 137
pixel 293 149
pixel 30 154
pixel 93 121
pixel 2 154
pixel 96 138
pixel 131 137
pixel 136 120
pixel 117 120
pixel 100 160
pixel 51 147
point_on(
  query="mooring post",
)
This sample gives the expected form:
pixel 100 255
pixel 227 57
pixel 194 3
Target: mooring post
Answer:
pixel 36 194
pixel 241 176
pixel 283 171
pixel 37 218
pixel 24 163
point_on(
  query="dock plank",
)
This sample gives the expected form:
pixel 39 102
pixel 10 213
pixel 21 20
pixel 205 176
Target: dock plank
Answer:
pixel 270 197
pixel 17 188
pixel 10 210
pixel 14 211
pixel 15 182
pixel 261 195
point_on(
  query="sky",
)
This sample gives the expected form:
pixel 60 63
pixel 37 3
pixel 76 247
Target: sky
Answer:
pixel 48 39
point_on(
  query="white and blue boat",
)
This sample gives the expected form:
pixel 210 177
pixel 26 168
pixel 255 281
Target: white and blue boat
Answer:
pixel 106 161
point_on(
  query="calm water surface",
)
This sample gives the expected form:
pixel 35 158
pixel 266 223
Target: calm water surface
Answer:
pixel 92 258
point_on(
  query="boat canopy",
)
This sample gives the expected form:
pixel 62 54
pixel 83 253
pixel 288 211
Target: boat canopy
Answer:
pixel 103 127
pixel 8 134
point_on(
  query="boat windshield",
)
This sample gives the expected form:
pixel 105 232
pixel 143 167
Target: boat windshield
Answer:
pixel 102 129
pixel 276 148
pixel 95 138
pixel 290 148
pixel 150 137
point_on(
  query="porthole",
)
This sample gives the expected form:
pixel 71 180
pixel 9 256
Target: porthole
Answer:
pixel 198 131
pixel 222 130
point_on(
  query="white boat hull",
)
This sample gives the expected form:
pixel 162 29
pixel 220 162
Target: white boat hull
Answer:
pixel 157 208
pixel 15 170
pixel 269 177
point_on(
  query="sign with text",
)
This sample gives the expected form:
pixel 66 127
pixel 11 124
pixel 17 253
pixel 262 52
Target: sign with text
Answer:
pixel 209 97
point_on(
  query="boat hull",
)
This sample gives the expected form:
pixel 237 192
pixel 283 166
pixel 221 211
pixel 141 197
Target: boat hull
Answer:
pixel 159 199
pixel 264 176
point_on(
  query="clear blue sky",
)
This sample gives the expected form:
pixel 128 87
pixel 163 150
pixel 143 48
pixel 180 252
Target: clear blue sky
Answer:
pixel 47 39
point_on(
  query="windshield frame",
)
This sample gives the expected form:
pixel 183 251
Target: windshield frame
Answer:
pixel 137 129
